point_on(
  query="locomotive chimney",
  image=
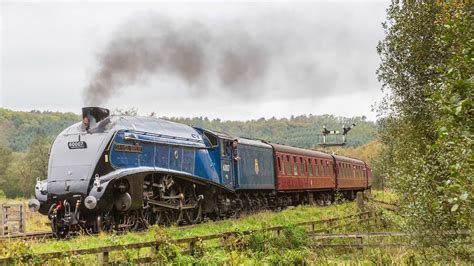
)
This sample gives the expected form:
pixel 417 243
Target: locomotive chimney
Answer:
pixel 93 115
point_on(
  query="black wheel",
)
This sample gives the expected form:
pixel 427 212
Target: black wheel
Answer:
pixel 159 215
pixel 194 215
pixel 148 216
pixel 59 231
pixel 174 217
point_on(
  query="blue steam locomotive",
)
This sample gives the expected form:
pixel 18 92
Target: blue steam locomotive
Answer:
pixel 124 173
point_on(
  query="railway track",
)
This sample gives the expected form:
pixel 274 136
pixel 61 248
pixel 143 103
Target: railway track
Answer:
pixel 45 235
pixel 28 236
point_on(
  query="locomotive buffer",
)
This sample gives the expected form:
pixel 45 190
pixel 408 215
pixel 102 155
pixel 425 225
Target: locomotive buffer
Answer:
pixel 325 132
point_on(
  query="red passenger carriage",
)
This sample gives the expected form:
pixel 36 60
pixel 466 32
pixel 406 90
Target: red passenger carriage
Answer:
pixel 351 173
pixel 300 169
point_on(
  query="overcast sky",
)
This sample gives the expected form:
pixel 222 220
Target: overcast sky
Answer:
pixel 234 60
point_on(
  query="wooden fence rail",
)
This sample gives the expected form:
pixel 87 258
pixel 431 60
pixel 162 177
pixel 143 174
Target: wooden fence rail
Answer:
pixel 189 245
pixel 103 253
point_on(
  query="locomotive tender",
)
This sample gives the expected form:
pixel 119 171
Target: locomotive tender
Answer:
pixel 126 172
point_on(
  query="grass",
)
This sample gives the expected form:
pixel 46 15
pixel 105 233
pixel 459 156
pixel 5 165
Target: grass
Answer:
pixel 292 247
pixel 386 196
pixel 250 222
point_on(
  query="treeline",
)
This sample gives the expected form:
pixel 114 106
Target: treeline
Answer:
pixel 428 127
pixel 25 138
pixel 302 131
pixel 19 129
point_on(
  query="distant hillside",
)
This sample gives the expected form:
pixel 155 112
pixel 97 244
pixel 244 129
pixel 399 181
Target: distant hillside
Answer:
pixel 19 129
pixel 299 131
pixel 26 137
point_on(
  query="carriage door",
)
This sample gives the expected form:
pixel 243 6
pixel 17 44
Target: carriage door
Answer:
pixel 227 163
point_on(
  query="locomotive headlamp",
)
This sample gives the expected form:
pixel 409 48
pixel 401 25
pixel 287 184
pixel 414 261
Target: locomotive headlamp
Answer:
pixel 90 202
pixel 33 205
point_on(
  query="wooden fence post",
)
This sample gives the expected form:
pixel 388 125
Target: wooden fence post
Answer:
pixel 22 220
pixel 360 201
pixel 104 258
pixel 2 221
pixel 192 245
pixel 360 243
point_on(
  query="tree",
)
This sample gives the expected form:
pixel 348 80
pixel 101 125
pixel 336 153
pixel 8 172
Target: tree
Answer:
pixel 126 112
pixel 5 159
pixel 23 169
pixel 426 131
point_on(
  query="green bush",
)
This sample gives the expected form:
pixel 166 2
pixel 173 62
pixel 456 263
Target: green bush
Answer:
pixel 427 68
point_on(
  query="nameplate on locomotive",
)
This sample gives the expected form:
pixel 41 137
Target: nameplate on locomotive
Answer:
pixel 77 145
pixel 128 148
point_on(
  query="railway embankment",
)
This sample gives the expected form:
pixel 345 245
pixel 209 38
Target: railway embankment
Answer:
pixel 306 234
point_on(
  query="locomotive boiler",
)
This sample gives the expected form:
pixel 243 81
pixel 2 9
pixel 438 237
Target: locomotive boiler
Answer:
pixel 125 173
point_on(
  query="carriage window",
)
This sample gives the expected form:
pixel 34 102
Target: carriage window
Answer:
pixel 288 165
pixel 319 168
pixel 295 166
pixel 279 164
pixel 310 168
pixel 327 168
pixel 323 168
pixel 315 165
pixel 302 167
pixel 326 165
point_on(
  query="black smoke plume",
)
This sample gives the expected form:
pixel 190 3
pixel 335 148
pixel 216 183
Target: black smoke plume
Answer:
pixel 307 52
pixel 153 46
